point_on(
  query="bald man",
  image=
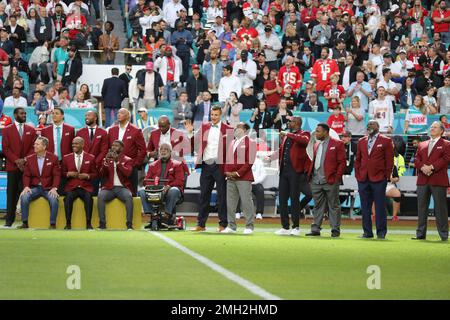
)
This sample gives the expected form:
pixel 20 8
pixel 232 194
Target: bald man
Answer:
pixel 79 168
pixel 133 141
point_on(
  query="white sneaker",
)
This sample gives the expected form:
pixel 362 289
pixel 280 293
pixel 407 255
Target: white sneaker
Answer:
pixel 283 232
pixel 248 231
pixel 295 232
pixel 259 216
pixel 238 215
pixel 228 230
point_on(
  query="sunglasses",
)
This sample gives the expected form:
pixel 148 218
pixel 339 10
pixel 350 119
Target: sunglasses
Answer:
pixel 129 69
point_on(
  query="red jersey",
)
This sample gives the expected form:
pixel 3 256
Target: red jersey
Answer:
pixel 337 91
pixel 322 71
pixel 5 121
pixel 347 9
pixel 418 16
pixel 273 99
pixel 308 14
pixel 3 57
pixel 337 123
pixel 250 32
pixel 290 76
pixel 443 26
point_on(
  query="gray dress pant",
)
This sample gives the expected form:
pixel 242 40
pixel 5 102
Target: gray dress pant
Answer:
pixel 239 190
pixel 439 194
pixel 326 197
pixel 121 193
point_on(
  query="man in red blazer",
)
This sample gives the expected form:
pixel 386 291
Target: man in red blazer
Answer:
pixel 133 141
pixel 41 178
pixel 325 174
pixel 95 142
pixel 116 171
pixel 294 165
pixel 241 155
pixel 79 169
pixel 59 135
pixel 17 143
pixel 170 170
pixel 373 168
pixel 431 161
pixel 211 142
pixel 167 134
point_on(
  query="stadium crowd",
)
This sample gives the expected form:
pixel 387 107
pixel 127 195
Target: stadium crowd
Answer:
pixel 361 62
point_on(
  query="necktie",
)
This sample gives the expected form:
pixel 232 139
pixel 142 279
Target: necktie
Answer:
pixel 430 146
pixel 20 130
pixel 91 136
pixel 318 156
pixel 58 142
pixel 215 126
pixel 370 144
pixel 78 162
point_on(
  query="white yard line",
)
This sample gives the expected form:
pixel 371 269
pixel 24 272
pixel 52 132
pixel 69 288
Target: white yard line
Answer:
pixel 253 288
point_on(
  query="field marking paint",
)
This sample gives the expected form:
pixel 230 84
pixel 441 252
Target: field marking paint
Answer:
pixel 253 288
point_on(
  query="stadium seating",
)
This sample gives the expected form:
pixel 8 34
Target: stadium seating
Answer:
pixel 115 214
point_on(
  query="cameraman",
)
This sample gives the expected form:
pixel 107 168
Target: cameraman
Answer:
pixel 170 173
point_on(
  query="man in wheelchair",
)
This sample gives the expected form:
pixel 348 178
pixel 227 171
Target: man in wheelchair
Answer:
pixel 163 184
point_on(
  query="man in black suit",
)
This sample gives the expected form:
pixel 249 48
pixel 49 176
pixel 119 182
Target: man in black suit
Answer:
pixel 73 68
pixel 201 111
pixel 126 76
pixel 312 105
pixel 113 92
pixel 17 33
pixel 348 72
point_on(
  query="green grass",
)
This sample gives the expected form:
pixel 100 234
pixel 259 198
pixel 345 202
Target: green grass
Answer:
pixel 138 265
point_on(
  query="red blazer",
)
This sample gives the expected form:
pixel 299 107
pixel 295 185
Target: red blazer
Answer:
pixel 439 158
pixel 134 142
pixel 124 169
pixel 174 173
pixel 242 159
pixel 88 166
pixel 334 163
pixel 177 140
pixel 67 135
pixel 378 165
pixel 299 158
pixel 14 150
pixel 99 145
pixel 200 140
pixel 51 172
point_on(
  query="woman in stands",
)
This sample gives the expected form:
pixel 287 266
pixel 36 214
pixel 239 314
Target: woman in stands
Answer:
pixel 355 118
pixel 231 110
pixel 261 118
pixel 282 116
pixel 416 117
pixel 12 76
pixel 87 95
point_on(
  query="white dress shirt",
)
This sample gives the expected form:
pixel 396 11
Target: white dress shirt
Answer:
pixel 165 138
pixel 212 145
pixel 122 131
pixel 236 143
pixel 117 182
pixel 76 159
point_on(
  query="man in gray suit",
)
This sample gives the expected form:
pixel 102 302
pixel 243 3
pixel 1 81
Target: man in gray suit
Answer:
pixel 238 172
pixel 182 111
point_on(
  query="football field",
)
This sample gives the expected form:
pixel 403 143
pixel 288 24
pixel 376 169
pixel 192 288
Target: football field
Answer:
pixel 39 264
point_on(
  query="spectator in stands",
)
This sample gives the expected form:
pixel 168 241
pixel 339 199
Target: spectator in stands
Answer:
pixel 441 19
pixel 245 69
pixel 169 67
pixel 126 76
pixel 150 86
pixel 76 21
pixel 182 110
pixel 228 83
pixel 350 152
pixel 12 77
pixel 372 173
pixel 336 121
pixel 321 36
pixel 381 111
pixel 272 90
pixel 232 109
pixel 15 154
pixel 5 43
pixel 44 29
pixel 426 79
pixel 430 101
pixel 73 68
pixel 432 160
pixel 416 117
pixel 271 45
pixel 355 117
pixel 59 16
pixel 16 33
pixel 312 104
pixel 116 171
pixel 443 119
pixel 79 101
pixel 182 40
pixel 261 117
pixel 79 168
pixel 407 94
pixel 196 84
pixel 145 120
pixel 248 99
pixel 15 100
pixel 282 116
pixel 18 62
pixel 443 97
pixel 213 72
pixel 325 173
pixel 84 88
pixel 113 92
pixel 108 42
pixel 39 64
pixel 46 104
pixel 334 93
pixel 41 178
pixel 63 100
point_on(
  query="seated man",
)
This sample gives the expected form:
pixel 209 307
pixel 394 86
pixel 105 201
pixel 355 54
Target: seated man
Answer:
pixel 116 171
pixel 41 178
pixel 171 171
pixel 80 170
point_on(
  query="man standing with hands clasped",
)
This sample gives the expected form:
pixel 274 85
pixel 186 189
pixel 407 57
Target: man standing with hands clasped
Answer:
pixel 373 168
pixel 325 174
pixel 431 161
pixel 238 172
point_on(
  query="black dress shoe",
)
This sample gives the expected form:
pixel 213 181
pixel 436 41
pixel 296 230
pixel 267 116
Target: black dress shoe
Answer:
pixel 365 236
pixel 381 237
pixel 129 225
pixel 68 227
pixel 313 234
pixel 335 234
pixel 23 226
pixel 53 226
pixel 102 226
pixel 444 239
pixel 149 226
pixel 418 238
pixel 8 225
pixel 89 226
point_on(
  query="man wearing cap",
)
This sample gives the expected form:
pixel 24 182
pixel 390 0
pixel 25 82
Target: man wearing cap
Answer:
pixel 218 26
pixel 387 63
pixel 196 84
pixel 150 86
pixel 113 92
pixel 144 120
pixel 271 45
pixel 245 69
pixel 170 11
pixel 228 83
pixel 169 67
pixel 248 99
pixel 401 67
